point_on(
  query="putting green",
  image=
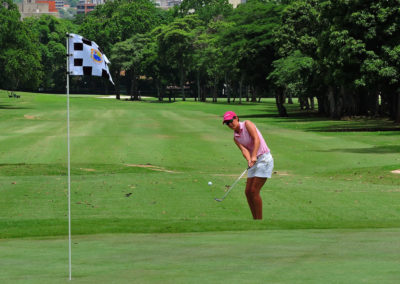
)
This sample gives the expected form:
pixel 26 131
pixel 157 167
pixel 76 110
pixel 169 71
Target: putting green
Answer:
pixel 275 256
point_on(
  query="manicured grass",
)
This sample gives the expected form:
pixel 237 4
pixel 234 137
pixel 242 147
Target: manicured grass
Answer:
pixel 143 167
pixel 323 179
pixel 275 256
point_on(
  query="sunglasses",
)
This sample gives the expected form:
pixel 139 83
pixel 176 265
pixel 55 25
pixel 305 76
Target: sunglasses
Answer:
pixel 227 122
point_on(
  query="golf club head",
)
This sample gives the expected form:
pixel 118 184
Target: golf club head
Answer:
pixel 230 187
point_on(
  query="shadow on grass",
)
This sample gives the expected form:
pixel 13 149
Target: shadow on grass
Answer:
pixel 293 116
pixel 12 107
pixel 77 169
pixel 376 149
pixel 56 227
pixel 357 124
pixel 159 102
pixel 233 103
pixel 207 102
pixel 267 115
pixel 355 128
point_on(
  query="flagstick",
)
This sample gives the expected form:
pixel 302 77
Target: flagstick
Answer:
pixel 69 170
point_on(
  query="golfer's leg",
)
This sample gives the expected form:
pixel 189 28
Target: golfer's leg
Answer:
pixel 249 195
pixel 257 201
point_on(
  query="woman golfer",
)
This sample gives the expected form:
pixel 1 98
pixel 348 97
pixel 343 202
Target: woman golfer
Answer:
pixel 258 156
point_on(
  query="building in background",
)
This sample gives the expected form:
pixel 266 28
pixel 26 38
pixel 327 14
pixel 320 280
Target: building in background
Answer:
pixel 166 4
pixel 86 6
pixel 235 3
pixel 36 8
pixel 59 4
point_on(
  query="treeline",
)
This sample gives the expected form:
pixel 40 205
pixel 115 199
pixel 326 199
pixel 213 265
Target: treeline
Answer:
pixel 344 54
pixel 33 51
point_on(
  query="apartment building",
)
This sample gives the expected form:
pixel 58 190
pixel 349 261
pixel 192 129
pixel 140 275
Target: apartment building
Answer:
pixel 36 8
pixel 86 6
pixel 166 4
pixel 59 4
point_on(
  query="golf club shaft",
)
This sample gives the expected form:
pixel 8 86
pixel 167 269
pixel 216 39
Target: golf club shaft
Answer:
pixel 236 181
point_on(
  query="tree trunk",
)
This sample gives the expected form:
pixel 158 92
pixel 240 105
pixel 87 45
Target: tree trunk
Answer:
pixel 364 101
pixel 134 92
pixel 374 103
pixel 280 100
pixel 321 105
pixel 160 90
pixel 215 90
pixel 332 103
pixel 203 91
pixel 312 104
pixel 350 106
pixel 303 103
pixel 131 87
pixel 240 89
pixel 183 83
pixel 163 90
pixel 198 85
pixel 117 87
pixel 227 89
pixel 386 103
pixel 290 99
pixel 254 95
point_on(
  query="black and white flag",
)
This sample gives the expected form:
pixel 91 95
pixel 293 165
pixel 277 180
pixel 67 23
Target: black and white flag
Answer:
pixel 86 58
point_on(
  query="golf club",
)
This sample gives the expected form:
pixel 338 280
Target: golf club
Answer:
pixel 222 199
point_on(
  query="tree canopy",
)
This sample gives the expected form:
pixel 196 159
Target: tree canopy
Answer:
pixel 345 54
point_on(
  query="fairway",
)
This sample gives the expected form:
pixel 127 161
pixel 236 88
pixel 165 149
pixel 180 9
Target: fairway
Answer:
pixel 142 210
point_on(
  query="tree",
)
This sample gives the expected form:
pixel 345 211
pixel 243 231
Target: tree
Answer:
pixel 380 68
pixel 117 21
pixel 50 32
pixel 249 42
pixel 153 65
pixel 128 55
pixel 358 53
pixel 208 61
pixel 175 45
pixel 19 55
pixel 292 73
pixel 296 42
pixel 206 10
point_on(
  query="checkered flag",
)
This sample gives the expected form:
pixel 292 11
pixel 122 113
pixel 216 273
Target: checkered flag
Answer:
pixel 86 58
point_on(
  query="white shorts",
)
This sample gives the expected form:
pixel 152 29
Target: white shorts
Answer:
pixel 263 167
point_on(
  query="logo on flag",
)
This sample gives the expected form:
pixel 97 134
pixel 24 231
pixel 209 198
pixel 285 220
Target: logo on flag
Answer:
pixel 96 56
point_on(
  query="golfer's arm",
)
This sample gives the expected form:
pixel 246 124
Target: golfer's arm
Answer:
pixel 245 152
pixel 251 128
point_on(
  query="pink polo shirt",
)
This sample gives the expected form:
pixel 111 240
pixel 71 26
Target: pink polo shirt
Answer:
pixel 244 138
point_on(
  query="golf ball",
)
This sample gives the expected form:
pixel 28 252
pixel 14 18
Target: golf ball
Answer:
pixel 210 183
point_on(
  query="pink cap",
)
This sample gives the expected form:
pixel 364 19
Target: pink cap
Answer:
pixel 229 115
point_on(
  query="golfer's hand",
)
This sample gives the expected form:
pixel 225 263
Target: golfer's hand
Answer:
pixel 252 161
